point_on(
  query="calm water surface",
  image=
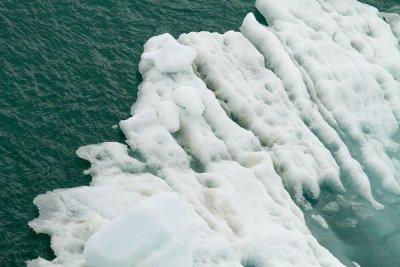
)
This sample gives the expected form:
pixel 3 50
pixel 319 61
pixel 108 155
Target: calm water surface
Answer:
pixel 68 73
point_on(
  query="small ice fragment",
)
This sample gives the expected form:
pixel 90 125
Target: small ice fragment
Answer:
pixel 320 220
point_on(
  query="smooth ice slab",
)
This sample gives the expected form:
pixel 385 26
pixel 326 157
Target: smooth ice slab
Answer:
pixel 153 232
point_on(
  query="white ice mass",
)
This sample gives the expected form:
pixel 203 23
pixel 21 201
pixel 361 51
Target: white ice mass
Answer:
pixel 278 145
pixel 152 232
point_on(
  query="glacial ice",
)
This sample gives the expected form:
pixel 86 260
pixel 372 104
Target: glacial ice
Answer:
pixel 245 148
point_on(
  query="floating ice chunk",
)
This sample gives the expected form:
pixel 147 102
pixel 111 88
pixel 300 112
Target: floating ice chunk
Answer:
pixel 321 221
pixel 153 232
pixel 188 98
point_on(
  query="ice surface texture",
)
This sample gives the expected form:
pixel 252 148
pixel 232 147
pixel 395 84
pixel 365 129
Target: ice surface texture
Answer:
pixel 232 134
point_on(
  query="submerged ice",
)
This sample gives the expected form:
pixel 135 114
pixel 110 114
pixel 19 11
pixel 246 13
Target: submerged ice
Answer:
pixel 245 148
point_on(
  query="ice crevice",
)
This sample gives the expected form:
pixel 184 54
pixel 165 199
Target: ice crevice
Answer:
pixel 245 148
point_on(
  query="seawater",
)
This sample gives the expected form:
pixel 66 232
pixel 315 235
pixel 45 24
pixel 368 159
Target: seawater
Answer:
pixel 69 72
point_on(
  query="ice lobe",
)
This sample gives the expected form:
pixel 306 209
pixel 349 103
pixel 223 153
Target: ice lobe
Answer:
pixel 153 232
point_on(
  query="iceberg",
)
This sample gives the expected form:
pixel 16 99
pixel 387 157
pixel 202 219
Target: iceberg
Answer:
pixel 274 146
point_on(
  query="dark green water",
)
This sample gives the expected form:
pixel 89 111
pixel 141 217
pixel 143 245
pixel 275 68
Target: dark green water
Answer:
pixel 68 72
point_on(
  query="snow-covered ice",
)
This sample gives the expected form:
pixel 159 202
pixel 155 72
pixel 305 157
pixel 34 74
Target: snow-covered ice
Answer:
pixel 245 148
